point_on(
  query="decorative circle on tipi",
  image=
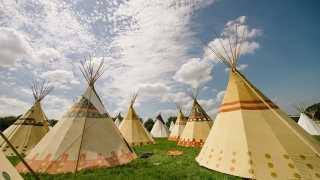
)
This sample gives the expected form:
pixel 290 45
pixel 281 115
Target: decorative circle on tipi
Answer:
pixel 5 175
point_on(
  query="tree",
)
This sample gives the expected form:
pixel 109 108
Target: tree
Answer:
pixel 149 124
pixel 171 118
pixel 5 122
pixel 314 111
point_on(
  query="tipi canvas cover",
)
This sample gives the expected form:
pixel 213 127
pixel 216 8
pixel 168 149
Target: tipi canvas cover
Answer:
pixel 252 138
pixel 178 127
pixel 197 127
pixel 83 139
pixel 29 129
pixel 171 126
pixel 7 171
pixel 309 125
pixel 132 129
pixel 159 129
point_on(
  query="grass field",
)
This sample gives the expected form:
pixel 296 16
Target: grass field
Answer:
pixel 158 166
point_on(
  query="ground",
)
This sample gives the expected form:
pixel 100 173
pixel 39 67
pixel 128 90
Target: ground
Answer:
pixel 158 166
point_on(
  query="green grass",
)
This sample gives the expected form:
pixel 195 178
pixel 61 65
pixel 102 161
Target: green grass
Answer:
pixel 158 166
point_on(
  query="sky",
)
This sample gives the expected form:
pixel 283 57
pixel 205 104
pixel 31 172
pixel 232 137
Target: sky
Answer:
pixel 158 48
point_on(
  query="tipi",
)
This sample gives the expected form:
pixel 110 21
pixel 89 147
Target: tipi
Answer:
pixel 251 137
pixel 83 139
pixel 29 129
pixel 197 127
pixel 159 129
pixel 133 130
pixel 309 125
pixel 178 127
pixel 7 170
pixel 118 120
pixel 171 126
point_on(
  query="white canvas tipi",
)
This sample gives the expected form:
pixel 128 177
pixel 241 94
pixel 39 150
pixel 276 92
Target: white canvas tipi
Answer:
pixel 29 129
pixel 309 125
pixel 83 139
pixel 171 126
pixel 159 129
pixel 118 120
pixel 178 127
pixel 197 128
pixel 251 136
pixel 133 130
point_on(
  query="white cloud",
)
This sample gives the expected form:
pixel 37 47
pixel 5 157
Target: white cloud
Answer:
pixel 177 97
pixel 13 46
pixel 47 55
pixel 12 106
pixel 221 44
pixel 156 89
pixel 55 106
pixel 219 97
pixel 194 73
pixel 147 47
pixel 241 67
pixel 60 78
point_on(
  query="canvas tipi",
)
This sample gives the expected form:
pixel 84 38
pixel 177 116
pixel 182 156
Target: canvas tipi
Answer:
pixel 171 126
pixel 159 129
pixel 133 130
pixel 197 127
pixel 7 170
pixel 83 139
pixel 28 130
pixel 309 125
pixel 251 137
pixel 178 127
pixel 118 120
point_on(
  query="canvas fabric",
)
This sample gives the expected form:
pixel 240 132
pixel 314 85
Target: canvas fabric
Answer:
pixel 93 97
pixel 309 125
pixel 171 126
pixel 252 138
pixel 26 132
pixel 82 139
pixel 7 170
pixel 159 129
pixel 178 127
pixel 117 122
pixel 133 130
pixel 197 128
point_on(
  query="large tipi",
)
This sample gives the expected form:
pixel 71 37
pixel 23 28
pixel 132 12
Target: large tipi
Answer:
pixel 83 139
pixel 118 120
pixel 159 129
pixel 29 129
pixel 132 129
pixel 197 128
pixel 178 126
pixel 251 137
pixel 308 124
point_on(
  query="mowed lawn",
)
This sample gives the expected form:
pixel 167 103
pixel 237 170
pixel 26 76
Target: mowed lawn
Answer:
pixel 158 166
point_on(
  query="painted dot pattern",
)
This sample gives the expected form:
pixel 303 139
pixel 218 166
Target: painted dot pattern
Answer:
pixel 274 175
pixel 270 165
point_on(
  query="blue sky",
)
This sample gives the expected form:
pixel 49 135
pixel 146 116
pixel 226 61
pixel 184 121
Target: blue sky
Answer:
pixel 157 48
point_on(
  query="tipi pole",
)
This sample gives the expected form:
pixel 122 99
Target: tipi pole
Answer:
pixel 19 156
